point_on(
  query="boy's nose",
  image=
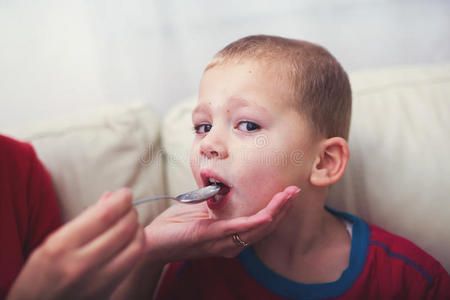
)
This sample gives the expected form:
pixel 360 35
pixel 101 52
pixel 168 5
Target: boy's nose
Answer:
pixel 211 147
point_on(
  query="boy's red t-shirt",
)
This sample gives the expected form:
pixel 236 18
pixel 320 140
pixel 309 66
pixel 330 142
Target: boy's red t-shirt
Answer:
pixel 28 207
pixel 382 266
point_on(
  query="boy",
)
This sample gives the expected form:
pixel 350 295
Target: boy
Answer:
pixel 275 112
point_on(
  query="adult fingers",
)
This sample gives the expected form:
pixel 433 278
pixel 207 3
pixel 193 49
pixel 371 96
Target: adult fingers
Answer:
pixel 274 205
pixel 94 221
pixel 123 263
pixel 104 196
pixel 103 248
pixel 264 216
pixel 227 247
pixel 257 233
pixel 224 247
pixel 278 213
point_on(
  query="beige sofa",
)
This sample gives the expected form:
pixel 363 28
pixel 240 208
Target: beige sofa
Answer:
pixel 398 176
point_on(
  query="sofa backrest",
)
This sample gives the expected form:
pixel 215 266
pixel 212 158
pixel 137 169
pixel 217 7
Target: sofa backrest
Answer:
pixel 102 150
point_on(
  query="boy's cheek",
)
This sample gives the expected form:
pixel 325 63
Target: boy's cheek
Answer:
pixel 194 164
pixel 259 187
pixel 194 158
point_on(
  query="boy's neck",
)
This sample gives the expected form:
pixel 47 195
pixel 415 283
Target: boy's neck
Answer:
pixel 309 246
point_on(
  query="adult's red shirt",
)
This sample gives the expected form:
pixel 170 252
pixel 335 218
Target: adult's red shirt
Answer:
pixel 28 207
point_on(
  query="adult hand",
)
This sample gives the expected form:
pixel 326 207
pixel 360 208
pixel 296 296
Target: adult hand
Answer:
pixel 87 257
pixel 187 231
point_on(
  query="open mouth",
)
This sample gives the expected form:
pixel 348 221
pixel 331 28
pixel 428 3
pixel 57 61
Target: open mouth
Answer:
pixel 219 200
pixel 224 189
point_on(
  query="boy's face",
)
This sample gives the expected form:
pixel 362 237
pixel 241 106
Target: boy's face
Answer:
pixel 249 137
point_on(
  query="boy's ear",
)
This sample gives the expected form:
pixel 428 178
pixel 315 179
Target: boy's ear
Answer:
pixel 330 163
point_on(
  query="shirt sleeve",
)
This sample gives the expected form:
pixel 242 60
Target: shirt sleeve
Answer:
pixel 441 284
pixel 43 210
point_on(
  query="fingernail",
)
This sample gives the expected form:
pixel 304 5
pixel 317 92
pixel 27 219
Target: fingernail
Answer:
pixel 124 190
pixel 105 195
pixel 294 194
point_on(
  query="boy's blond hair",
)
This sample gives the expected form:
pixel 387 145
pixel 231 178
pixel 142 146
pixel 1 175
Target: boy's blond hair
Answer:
pixel 319 84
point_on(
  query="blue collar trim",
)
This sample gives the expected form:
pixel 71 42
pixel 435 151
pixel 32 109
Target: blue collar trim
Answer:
pixel 294 290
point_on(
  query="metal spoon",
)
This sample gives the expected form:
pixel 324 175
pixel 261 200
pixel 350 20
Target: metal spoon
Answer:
pixel 193 197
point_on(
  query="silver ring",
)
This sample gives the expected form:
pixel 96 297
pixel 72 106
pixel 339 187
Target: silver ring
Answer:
pixel 237 240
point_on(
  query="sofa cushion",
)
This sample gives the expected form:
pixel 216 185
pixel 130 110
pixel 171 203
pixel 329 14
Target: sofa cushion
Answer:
pixel 177 138
pixel 99 151
pixel 399 170
pixel 398 174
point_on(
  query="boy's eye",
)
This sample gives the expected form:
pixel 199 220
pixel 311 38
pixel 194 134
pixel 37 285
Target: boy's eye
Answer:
pixel 248 126
pixel 202 128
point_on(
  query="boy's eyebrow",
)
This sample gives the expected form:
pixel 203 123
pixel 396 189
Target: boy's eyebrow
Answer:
pixel 234 102
pixel 201 108
pixel 238 101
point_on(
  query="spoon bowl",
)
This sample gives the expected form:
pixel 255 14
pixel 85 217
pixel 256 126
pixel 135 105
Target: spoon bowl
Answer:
pixel 192 197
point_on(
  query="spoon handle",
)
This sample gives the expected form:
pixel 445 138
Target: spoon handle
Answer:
pixel 137 202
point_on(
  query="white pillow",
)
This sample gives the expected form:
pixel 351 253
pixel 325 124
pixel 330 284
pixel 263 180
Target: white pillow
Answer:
pixel 114 147
pixel 177 138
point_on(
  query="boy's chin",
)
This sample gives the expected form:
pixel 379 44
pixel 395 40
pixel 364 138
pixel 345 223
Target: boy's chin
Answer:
pixel 232 213
pixel 222 215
